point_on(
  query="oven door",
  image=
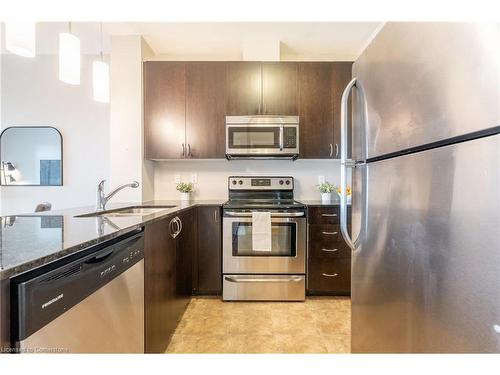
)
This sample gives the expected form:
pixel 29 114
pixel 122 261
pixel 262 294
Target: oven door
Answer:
pixel 261 139
pixel 288 249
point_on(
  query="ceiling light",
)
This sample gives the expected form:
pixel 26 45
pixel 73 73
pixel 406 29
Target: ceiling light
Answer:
pixel 20 38
pixel 69 58
pixel 100 78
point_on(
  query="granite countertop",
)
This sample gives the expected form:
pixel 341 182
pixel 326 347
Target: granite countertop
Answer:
pixel 29 241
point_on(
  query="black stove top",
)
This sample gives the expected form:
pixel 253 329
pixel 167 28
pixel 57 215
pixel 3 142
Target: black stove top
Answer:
pixel 263 204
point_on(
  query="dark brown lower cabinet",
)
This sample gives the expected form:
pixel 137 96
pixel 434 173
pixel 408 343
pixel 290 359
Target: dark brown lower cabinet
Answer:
pixel 185 250
pixel 207 275
pixel 167 278
pixel 329 257
pixel 159 286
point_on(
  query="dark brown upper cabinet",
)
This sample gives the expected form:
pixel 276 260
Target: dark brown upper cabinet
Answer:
pixel 255 88
pixel 320 90
pixel 244 88
pixel 205 109
pixel 164 109
pixel 279 88
pixel 185 104
pixel 342 75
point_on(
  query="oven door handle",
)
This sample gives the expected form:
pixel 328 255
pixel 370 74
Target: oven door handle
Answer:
pixel 234 279
pixel 277 214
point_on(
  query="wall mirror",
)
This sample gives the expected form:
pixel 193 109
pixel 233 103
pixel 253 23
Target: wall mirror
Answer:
pixel 31 156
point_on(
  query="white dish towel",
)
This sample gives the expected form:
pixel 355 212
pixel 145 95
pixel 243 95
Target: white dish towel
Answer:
pixel 261 231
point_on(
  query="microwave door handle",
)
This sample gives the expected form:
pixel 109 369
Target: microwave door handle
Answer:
pixel 281 137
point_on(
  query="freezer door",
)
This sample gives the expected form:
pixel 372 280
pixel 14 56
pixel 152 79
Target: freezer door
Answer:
pixel 426 82
pixel 426 277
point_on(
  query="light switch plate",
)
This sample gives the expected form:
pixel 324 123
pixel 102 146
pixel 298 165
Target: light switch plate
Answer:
pixel 177 178
pixel 194 178
pixel 321 179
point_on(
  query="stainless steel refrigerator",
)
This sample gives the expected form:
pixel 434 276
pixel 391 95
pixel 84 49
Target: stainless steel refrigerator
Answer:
pixel 424 155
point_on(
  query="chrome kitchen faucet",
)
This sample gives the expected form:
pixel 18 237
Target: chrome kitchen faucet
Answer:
pixel 102 199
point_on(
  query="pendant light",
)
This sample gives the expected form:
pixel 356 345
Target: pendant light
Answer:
pixel 20 38
pixel 69 57
pixel 100 78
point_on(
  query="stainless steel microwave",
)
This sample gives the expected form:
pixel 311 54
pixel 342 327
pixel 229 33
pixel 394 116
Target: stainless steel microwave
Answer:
pixel 262 137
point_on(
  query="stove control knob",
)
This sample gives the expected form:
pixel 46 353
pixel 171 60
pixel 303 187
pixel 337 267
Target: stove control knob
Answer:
pixel 240 182
pixel 234 182
pixel 288 182
pixel 281 182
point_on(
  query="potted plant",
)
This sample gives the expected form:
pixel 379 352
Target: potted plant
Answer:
pixel 326 189
pixel 185 188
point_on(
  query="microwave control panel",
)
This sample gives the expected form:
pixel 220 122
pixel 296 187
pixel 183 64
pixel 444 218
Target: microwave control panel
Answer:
pixel 289 137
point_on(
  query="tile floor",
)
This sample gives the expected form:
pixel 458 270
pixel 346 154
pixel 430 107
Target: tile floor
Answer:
pixel 319 325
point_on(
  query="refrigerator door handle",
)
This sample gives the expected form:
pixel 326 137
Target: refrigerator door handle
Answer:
pixel 349 163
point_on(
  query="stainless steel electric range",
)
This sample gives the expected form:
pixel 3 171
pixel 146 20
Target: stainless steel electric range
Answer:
pixel 275 275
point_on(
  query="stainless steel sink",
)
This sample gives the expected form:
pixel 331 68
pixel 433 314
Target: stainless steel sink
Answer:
pixel 128 211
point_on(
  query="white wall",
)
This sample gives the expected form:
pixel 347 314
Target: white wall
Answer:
pixel 213 174
pixel 126 119
pixel 33 95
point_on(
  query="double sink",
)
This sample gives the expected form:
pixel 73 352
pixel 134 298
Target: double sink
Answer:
pixel 128 211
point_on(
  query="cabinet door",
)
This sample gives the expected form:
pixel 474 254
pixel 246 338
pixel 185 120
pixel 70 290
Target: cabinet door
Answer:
pixel 209 259
pixel 186 246
pixel 279 88
pixel 164 109
pixel 316 111
pixel 205 109
pixel 243 88
pixel 159 286
pixel 342 73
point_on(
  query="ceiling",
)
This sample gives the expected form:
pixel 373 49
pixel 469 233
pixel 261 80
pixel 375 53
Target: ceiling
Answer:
pixel 202 40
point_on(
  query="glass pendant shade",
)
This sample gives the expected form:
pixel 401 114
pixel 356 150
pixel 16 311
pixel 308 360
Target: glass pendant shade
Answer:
pixel 20 38
pixel 69 58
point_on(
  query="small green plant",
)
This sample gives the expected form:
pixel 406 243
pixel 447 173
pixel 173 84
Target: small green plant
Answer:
pixel 185 187
pixel 326 187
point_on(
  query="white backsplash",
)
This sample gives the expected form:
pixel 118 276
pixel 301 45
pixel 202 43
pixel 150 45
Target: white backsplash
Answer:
pixel 213 174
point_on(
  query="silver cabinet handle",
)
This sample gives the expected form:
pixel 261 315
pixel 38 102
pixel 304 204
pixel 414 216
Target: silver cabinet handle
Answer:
pixel 183 151
pixel 330 275
pixel 329 215
pixel 330 250
pixel 170 227
pixel 189 150
pixel 277 214
pixel 216 219
pixel 331 150
pixel 235 279
pixel 265 108
pixel 336 149
pixel 179 222
pixel 330 233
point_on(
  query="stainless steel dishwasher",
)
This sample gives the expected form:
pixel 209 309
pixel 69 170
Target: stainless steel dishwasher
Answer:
pixel 91 303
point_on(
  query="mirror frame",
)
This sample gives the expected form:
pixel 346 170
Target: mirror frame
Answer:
pixel 35 127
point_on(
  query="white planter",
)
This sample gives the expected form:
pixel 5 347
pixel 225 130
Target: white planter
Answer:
pixel 185 197
pixel 326 197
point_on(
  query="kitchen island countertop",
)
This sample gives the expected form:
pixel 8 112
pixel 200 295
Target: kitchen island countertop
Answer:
pixel 32 240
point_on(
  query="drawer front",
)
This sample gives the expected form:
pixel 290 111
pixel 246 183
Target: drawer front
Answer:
pixel 325 240
pixel 264 288
pixel 329 276
pixel 323 215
